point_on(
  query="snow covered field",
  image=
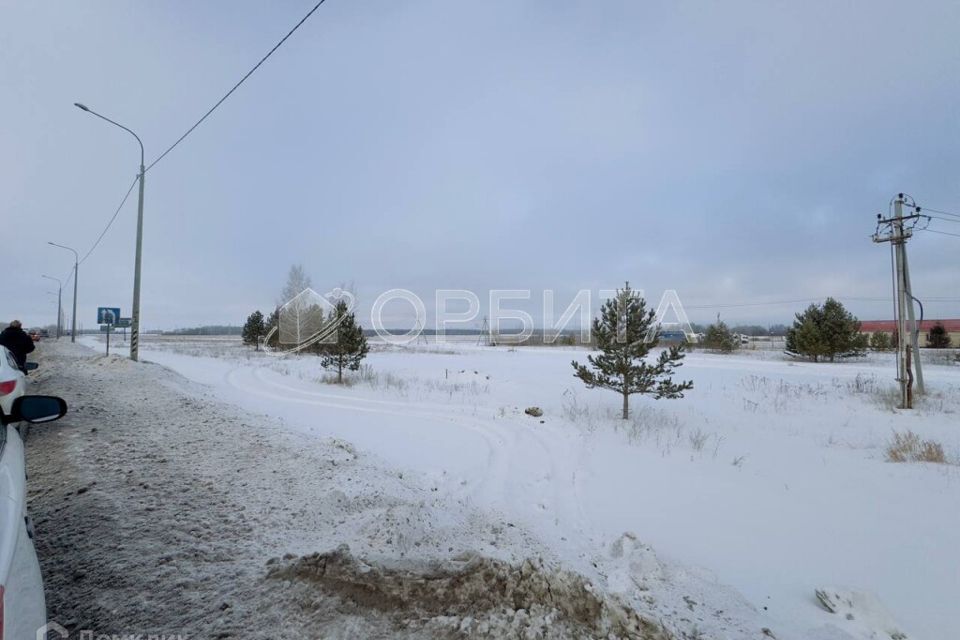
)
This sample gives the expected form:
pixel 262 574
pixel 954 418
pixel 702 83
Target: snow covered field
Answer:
pixel 722 512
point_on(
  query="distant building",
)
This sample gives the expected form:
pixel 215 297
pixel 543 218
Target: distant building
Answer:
pixel 870 327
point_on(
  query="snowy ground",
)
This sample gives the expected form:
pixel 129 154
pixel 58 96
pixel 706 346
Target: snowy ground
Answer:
pixel 769 478
pixel 162 512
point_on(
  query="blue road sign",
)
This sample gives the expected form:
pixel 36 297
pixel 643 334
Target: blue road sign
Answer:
pixel 108 315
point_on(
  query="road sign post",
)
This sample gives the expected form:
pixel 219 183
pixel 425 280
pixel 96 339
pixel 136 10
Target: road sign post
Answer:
pixel 123 323
pixel 107 317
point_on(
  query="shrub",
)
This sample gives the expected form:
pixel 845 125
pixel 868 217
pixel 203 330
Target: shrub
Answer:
pixel 697 439
pixel 938 338
pixel 881 341
pixel 721 338
pixel 908 447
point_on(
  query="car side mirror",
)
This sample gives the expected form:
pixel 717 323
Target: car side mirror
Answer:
pixel 32 366
pixel 36 409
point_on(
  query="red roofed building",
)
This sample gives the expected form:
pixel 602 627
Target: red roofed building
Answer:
pixel 889 326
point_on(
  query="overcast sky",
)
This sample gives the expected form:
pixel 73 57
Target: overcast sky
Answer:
pixel 737 152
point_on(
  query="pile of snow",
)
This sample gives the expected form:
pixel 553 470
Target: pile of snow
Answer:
pixel 112 361
pixel 863 615
pixel 473 596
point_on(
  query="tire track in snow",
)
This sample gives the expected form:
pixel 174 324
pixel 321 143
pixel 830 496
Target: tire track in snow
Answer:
pixel 509 450
pixel 292 394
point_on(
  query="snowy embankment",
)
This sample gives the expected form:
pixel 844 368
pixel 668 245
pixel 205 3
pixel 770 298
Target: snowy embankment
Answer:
pixel 770 477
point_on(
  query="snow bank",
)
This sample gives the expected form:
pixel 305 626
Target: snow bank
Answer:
pixel 862 614
pixel 476 596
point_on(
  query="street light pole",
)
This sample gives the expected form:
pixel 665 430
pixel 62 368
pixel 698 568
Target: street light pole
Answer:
pixel 58 310
pixel 59 302
pixel 135 314
pixel 76 266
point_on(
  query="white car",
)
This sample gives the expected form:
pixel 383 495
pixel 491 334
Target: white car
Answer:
pixel 22 605
pixel 12 381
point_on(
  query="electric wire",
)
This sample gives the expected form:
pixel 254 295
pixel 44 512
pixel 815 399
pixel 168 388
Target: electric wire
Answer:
pixel 946 213
pixel 954 220
pixel 236 86
pixel 942 233
pixel 197 123
pixel 111 221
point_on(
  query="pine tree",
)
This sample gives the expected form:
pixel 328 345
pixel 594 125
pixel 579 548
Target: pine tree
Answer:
pixel 720 337
pixel 804 337
pixel 841 330
pixel 938 338
pixel 880 341
pixel 254 329
pixel 350 346
pixel 272 329
pixel 826 332
pixel 621 333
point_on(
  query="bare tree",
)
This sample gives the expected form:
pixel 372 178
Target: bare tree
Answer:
pixel 297 281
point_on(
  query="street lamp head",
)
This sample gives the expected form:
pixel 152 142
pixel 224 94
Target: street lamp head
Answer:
pixel 81 106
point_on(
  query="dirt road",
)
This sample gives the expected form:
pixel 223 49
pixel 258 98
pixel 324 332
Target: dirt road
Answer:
pixel 161 511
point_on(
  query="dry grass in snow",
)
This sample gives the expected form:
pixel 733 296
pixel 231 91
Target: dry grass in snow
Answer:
pixel 909 447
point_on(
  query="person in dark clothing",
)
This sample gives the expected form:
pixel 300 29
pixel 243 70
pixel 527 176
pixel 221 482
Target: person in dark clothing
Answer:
pixel 19 343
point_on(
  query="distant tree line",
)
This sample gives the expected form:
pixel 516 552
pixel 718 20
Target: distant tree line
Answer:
pixel 207 330
pixel 753 330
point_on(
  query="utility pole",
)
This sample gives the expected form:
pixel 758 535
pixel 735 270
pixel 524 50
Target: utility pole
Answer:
pixel 908 349
pixel 59 303
pixel 135 316
pixel 485 338
pixel 914 327
pixel 76 267
pixel 421 338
